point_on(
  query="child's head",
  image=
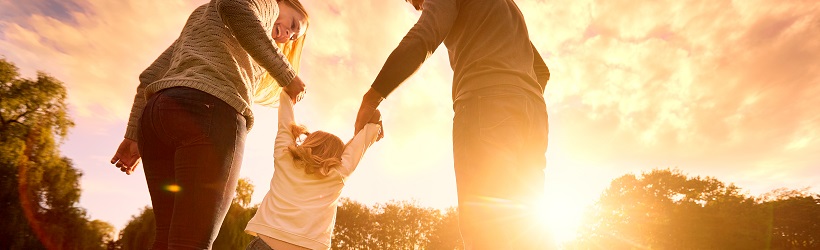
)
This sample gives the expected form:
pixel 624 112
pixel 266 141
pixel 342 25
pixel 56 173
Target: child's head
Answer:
pixel 319 152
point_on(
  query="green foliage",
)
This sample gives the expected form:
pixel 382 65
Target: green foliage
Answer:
pixel 353 226
pixel 40 188
pixel 795 220
pixel 244 192
pixel 403 225
pixel 139 232
pixel 661 209
pixel 446 234
pixel 664 209
pixel 394 225
pixel 232 233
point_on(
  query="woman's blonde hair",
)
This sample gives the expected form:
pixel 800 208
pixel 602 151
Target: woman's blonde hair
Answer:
pixel 319 153
pixel 268 90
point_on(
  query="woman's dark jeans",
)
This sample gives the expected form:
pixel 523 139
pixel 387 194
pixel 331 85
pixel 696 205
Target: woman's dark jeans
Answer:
pixel 191 145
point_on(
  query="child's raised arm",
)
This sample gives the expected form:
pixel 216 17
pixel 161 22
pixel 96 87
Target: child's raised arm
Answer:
pixel 284 136
pixel 354 151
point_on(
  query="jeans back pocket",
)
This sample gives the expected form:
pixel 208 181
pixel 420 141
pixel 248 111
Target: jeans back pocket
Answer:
pixel 185 120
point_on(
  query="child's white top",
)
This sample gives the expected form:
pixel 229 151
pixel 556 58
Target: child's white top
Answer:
pixel 300 208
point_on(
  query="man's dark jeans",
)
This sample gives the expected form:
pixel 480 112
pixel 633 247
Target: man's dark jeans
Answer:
pixel 499 144
pixel 191 145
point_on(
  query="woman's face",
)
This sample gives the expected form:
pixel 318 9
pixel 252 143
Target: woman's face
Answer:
pixel 290 24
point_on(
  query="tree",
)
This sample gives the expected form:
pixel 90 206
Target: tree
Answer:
pixel 244 192
pixel 354 223
pixel 403 225
pixel 139 232
pixel 40 188
pixel 445 234
pixel 394 225
pixel 795 218
pixel 665 209
pixel 232 233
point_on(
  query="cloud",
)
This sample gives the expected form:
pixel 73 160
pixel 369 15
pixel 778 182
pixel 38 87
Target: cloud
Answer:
pixel 725 74
pixel 96 47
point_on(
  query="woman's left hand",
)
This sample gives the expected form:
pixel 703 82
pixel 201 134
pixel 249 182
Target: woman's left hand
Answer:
pixel 296 89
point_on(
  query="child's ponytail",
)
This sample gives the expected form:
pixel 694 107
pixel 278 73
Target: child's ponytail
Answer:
pixel 319 152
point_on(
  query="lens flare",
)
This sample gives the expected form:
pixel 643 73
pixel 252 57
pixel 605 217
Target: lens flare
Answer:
pixel 173 188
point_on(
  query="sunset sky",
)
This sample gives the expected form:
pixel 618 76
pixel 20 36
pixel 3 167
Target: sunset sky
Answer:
pixel 721 88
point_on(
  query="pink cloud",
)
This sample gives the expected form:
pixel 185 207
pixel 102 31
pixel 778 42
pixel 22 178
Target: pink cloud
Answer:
pixel 715 87
pixel 96 47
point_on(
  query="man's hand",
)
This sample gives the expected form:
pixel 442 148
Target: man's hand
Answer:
pixel 367 110
pixel 296 89
pixel 127 156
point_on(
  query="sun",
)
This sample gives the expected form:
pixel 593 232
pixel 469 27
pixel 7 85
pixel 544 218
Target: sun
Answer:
pixel 560 216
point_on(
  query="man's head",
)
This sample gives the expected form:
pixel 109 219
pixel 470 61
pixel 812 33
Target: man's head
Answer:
pixel 416 3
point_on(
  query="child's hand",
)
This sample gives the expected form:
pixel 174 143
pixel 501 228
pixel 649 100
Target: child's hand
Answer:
pixel 376 118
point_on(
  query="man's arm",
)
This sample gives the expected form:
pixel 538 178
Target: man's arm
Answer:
pixel 421 41
pixel 542 72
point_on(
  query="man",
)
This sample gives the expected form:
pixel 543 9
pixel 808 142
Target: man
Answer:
pixel 500 126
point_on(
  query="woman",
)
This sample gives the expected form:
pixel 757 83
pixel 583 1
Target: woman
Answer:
pixel 192 110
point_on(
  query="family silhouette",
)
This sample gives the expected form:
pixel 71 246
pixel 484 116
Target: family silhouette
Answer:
pixel 192 112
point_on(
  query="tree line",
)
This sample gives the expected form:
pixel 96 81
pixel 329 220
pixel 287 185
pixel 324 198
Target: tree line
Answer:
pixel 391 225
pixel 665 209
pixel 659 209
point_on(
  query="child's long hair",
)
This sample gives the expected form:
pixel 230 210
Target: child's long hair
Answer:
pixel 319 152
pixel 267 91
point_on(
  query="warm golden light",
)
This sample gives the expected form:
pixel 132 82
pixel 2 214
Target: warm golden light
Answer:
pixel 634 87
pixel 561 218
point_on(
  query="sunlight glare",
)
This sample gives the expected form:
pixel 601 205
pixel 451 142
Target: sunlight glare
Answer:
pixel 562 217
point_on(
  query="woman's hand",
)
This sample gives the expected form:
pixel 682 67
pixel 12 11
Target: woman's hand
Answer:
pixel 127 156
pixel 296 89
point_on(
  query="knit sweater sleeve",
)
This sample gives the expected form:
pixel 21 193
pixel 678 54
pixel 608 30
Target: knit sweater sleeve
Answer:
pixel 421 41
pixel 542 72
pixel 244 19
pixel 151 74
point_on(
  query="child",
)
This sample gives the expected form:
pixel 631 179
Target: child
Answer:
pixel 299 210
